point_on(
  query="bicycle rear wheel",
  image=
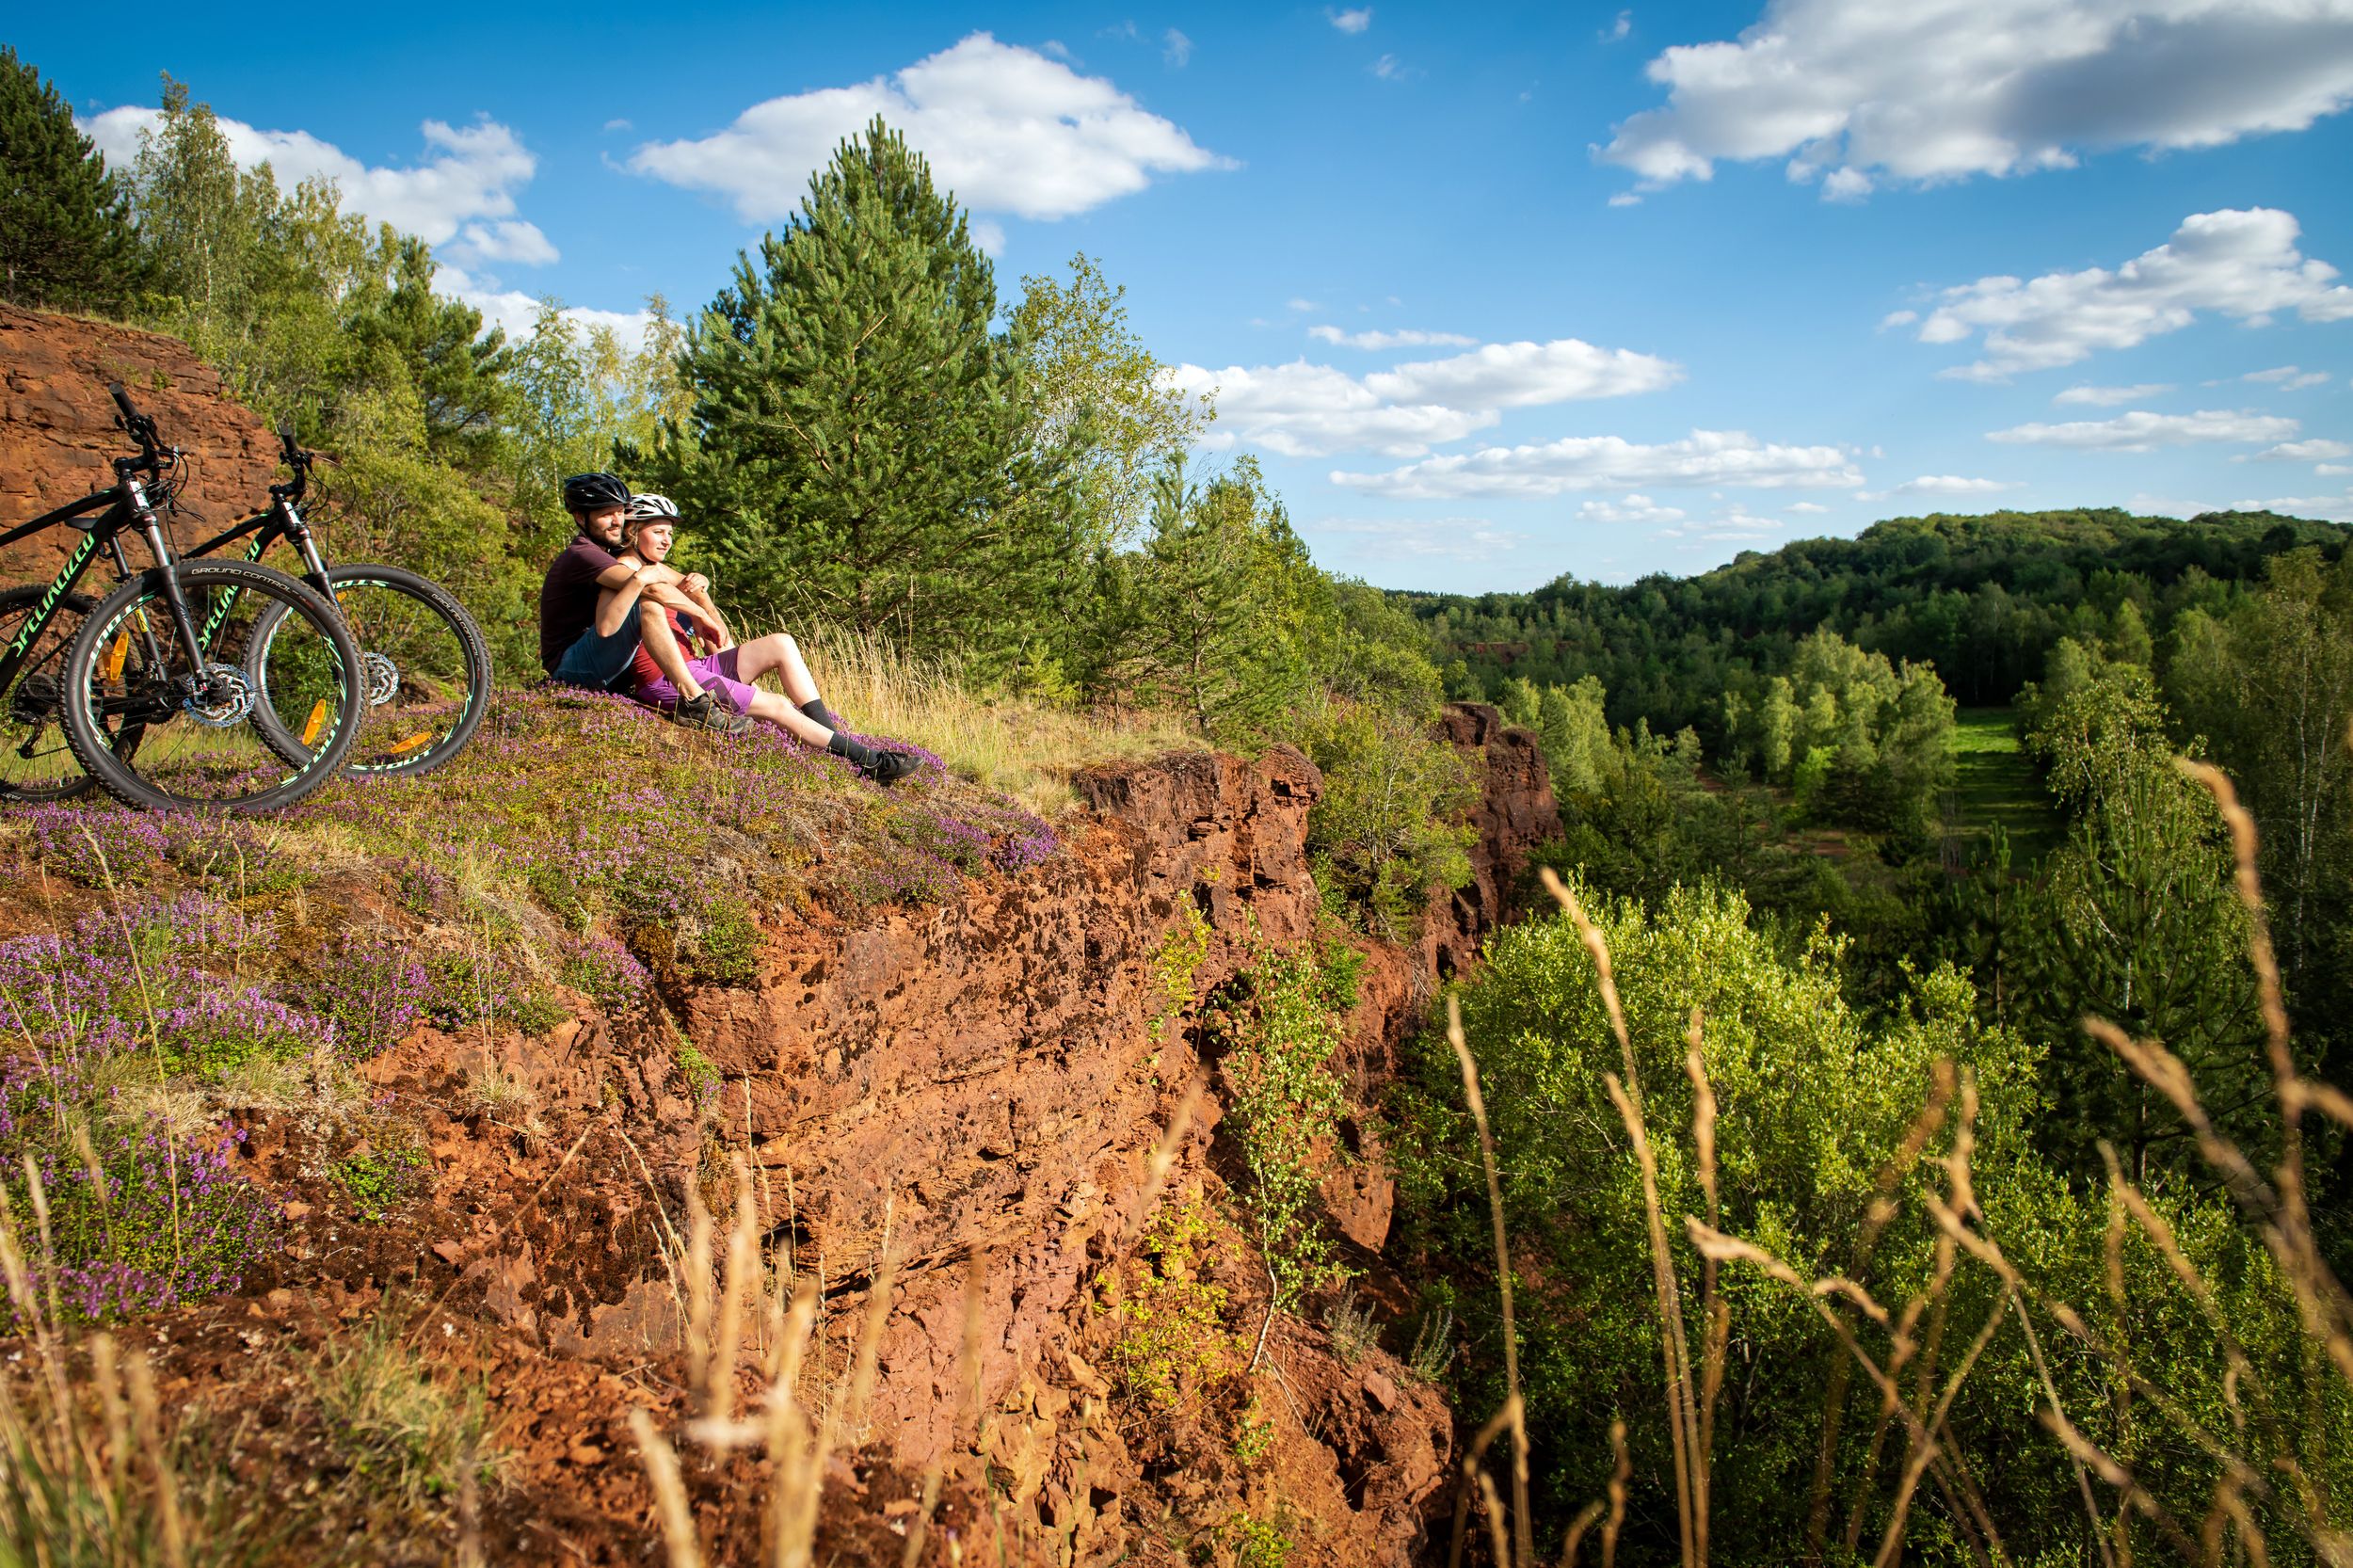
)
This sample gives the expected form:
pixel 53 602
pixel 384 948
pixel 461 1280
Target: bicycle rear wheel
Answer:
pixel 36 763
pixel 428 668
pixel 161 733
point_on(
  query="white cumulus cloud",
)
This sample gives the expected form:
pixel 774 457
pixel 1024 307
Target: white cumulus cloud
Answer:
pixel 1634 508
pixel 1304 410
pixel 1942 483
pixel 2318 450
pixel 1612 462
pixel 2109 397
pixel 2287 377
pixel 1519 375
pixel 509 239
pixel 1007 129
pixel 470 171
pixel 1354 21
pixel 2329 508
pixel 1403 337
pixel 1921 92
pixel 1423 539
pixel 2242 264
pixel 2143 431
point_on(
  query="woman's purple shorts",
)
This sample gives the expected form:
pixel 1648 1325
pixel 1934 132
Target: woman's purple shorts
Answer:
pixel 716 671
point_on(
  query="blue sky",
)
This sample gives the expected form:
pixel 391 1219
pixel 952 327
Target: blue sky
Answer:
pixel 1496 293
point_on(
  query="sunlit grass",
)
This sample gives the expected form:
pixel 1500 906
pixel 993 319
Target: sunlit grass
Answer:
pixel 1022 748
pixel 1994 785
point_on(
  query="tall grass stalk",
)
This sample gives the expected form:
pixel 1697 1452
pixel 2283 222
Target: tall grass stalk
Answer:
pixel 73 1492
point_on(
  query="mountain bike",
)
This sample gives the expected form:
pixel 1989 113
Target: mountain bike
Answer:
pixel 157 691
pixel 427 666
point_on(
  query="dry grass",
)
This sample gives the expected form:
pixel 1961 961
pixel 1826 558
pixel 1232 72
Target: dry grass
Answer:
pixel 741 1305
pixel 1021 746
pixel 87 1468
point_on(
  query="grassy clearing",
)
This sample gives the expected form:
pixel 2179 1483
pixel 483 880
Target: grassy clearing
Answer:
pixel 1994 785
pixel 1019 746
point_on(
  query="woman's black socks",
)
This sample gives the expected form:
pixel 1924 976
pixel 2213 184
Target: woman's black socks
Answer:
pixel 858 753
pixel 815 708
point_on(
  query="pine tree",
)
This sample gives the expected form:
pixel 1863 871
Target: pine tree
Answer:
pixel 66 241
pixel 862 448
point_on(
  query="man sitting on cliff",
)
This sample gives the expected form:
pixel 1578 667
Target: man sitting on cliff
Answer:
pixel 575 650
pixel 729 671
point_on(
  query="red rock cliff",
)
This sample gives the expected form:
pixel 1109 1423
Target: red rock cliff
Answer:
pixel 57 434
pixel 982 1085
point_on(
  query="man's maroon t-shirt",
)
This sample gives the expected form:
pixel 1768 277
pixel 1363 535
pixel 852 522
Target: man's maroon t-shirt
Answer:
pixel 568 600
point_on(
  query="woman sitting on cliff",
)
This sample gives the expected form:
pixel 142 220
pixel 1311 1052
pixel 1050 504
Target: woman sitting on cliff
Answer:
pixel 729 669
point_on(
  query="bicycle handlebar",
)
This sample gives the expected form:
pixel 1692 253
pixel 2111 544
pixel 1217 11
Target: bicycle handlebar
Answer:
pixel 141 428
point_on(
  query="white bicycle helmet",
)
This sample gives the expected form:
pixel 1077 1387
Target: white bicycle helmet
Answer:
pixel 649 507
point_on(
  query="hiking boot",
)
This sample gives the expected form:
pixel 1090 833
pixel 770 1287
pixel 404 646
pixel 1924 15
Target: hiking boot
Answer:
pixel 708 712
pixel 889 767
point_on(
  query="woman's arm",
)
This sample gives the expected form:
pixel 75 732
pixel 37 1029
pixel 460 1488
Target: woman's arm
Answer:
pixel 695 589
pixel 668 593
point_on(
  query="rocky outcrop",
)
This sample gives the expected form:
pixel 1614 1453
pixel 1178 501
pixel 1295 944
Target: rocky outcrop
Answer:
pixel 58 435
pixel 967 1097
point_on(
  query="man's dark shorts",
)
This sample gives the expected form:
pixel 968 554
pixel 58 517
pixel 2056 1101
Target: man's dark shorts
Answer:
pixel 602 663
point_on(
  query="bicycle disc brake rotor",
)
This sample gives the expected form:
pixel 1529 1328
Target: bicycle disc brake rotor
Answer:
pixel 225 700
pixel 383 677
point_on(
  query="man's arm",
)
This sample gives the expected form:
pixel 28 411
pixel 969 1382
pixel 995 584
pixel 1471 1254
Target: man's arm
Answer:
pixel 617 588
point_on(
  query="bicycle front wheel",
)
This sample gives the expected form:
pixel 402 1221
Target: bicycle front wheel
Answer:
pixel 36 764
pixel 163 732
pixel 428 668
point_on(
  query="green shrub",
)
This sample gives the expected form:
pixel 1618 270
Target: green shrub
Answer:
pixel 1391 826
pixel 1282 1023
pixel 726 950
pixel 1812 1108
pixel 1173 1340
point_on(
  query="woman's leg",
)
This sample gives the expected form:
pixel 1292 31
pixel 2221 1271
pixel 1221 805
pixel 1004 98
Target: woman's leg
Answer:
pixel 785 716
pixel 778 651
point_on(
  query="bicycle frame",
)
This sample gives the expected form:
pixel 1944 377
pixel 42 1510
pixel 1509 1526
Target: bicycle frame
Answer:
pixel 122 509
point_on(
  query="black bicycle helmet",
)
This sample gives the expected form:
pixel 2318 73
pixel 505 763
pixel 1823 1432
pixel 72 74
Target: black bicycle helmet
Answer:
pixel 593 492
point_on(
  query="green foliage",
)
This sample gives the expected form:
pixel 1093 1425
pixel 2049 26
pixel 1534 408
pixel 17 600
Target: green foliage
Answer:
pixel 1100 395
pixel 1982 599
pixel 1854 738
pixel 1173 1340
pixel 1176 962
pixel 1253 1434
pixel 1392 825
pixel 377 1176
pixel 1813 1106
pixel 66 240
pixel 2135 920
pixel 1281 1025
pixel 1254 1542
pixel 1811 1103
pixel 701 1073
pixel 725 950
pixel 862 449
pixel 1215 615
